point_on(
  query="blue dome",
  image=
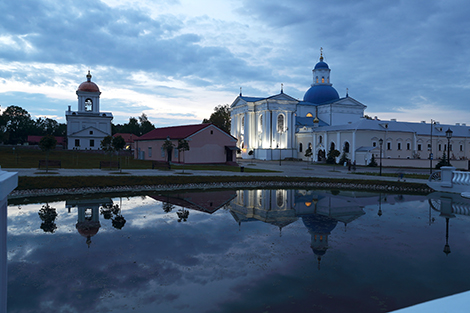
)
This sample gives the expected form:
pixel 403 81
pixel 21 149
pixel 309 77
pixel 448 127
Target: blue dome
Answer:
pixel 319 94
pixel 321 64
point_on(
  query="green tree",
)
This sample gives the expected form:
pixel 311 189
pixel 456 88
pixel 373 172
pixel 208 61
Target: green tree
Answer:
pixel 372 162
pixel 47 214
pixel 145 125
pixel 18 124
pixel 443 161
pixel 168 147
pixel 309 153
pixel 118 144
pixel 220 117
pixel 332 155
pixel 183 146
pixel 47 143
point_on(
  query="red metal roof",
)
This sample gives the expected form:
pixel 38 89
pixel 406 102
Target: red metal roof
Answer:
pixel 34 140
pixel 88 87
pixel 174 132
pixel 128 138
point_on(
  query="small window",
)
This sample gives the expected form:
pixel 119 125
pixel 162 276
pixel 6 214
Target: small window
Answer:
pixel 408 146
pixel 92 142
pixel 439 147
pixel 461 148
pixel 212 132
pixel 300 147
pixel 162 152
pixel 91 132
pixel 320 139
pixel 419 147
pixel 323 80
pixel 374 144
pixel 346 147
pixel 150 152
pixel 316 79
pixel 389 146
pixel 77 142
pixel 399 146
pixel 88 105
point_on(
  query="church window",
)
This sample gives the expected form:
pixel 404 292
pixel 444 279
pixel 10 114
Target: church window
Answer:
pixel 316 80
pixel 280 123
pixel 309 115
pixel 150 152
pixel 300 147
pixel 389 146
pixel 88 105
pixel 439 147
pixel 328 80
pixel 346 147
pixel 461 148
pixel 212 132
pixel 323 80
pixel 374 144
pixel 332 146
pixel 408 146
pixel 77 142
pixel 399 146
pixel 92 143
pixel 320 139
pixel 91 132
pixel 419 147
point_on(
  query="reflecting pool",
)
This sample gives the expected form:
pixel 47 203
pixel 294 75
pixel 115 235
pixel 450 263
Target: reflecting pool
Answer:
pixel 237 251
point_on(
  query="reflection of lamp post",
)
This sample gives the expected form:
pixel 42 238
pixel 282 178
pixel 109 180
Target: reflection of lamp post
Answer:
pixel 380 205
pixel 447 247
pixel 277 146
pixel 448 135
pixel 381 142
pixel 430 150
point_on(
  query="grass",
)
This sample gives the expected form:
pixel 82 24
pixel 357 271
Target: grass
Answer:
pixel 410 175
pixel 28 157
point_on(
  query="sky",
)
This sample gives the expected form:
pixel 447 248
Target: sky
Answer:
pixel 175 60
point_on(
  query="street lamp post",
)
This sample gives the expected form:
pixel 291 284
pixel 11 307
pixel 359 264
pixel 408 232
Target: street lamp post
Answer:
pixel 431 156
pixel 448 135
pixel 381 142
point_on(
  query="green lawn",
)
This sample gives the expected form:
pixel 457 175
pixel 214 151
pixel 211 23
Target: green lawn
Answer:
pixel 24 157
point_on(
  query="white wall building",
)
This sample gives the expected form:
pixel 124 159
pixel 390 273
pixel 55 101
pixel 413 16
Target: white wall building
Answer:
pixel 280 126
pixel 87 127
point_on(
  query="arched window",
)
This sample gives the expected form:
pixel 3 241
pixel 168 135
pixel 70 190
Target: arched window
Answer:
pixel 323 80
pixel 88 104
pixel 300 147
pixel 346 147
pixel 332 146
pixel 316 80
pixel 320 139
pixel 280 123
pixel 280 198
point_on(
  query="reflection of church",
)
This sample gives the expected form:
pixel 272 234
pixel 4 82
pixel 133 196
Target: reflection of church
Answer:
pixel 88 211
pixel 320 211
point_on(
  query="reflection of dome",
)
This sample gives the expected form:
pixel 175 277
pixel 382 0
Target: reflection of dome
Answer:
pixel 319 94
pixel 88 86
pixel 320 224
pixel 88 228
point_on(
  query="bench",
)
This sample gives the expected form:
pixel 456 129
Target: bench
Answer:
pixel 50 163
pixel 160 164
pixel 110 164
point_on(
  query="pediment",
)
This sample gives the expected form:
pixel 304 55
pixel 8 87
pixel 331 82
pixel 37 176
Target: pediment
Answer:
pixel 86 132
pixel 350 102
pixel 282 97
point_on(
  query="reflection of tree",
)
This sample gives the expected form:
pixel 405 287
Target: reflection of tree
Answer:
pixel 182 215
pixel 48 215
pixel 113 212
pixel 167 207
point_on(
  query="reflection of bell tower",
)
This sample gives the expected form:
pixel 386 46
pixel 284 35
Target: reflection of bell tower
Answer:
pixel 88 223
pixel 319 227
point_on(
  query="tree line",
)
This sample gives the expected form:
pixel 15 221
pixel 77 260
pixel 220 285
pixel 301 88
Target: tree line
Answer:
pixel 16 124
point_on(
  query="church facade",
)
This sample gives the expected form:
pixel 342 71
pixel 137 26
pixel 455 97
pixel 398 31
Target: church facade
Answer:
pixel 282 127
pixel 87 127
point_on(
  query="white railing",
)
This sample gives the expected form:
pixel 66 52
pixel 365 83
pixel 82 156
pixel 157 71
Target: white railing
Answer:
pixel 450 180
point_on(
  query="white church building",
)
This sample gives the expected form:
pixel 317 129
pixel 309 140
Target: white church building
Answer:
pixel 282 127
pixel 87 127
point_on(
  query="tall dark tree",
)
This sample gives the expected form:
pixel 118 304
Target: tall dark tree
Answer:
pixel 145 125
pixel 48 214
pixel 18 124
pixel 220 117
pixel 47 143
pixel 118 144
pixel 183 146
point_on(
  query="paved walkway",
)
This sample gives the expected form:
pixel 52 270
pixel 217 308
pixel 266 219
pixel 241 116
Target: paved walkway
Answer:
pixel 285 168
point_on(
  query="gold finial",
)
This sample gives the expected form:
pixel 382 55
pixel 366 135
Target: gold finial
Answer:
pixel 88 76
pixel 321 53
